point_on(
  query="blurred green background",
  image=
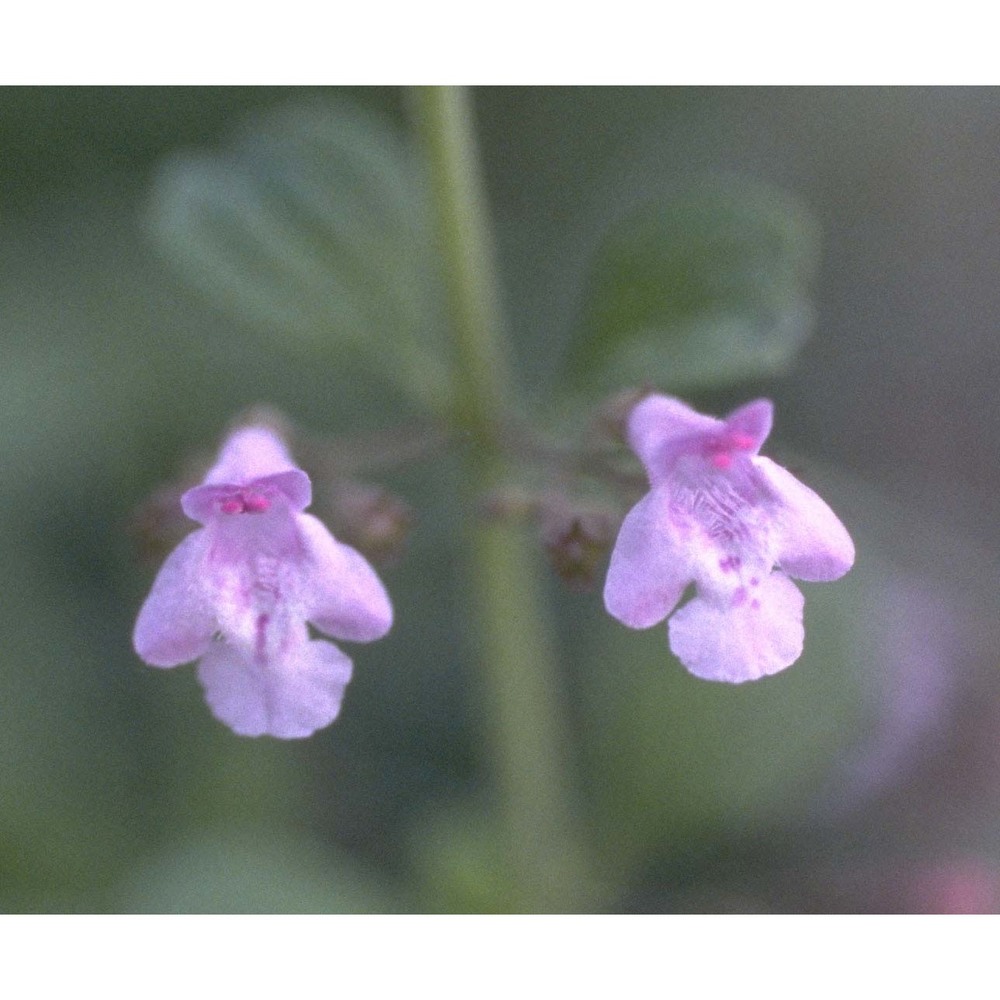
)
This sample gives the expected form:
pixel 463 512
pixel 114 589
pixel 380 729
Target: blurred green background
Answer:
pixel 866 777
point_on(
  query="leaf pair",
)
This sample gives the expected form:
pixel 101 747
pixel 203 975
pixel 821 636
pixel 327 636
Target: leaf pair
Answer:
pixel 313 224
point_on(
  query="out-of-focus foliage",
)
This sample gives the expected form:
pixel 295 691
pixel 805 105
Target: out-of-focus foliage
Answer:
pixel 674 758
pixel 303 215
pixel 312 225
pixel 254 870
pixel 707 287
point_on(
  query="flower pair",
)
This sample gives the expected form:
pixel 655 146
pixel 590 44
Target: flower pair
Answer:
pixel 239 593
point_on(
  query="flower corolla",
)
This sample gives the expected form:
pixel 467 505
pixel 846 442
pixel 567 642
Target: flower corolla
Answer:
pixel 732 522
pixel 238 592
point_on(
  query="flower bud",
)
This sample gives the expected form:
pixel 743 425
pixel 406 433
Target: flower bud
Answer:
pixel 612 416
pixel 158 524
pixel 576 542
pixel 371 519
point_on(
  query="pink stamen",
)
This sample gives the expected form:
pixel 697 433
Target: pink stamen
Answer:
pixel 256 504
pixel 742 441
pixel 249 503
pixel 722 459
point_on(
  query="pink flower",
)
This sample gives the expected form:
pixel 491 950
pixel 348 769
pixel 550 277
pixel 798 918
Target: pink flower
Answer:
pixel 732 522
pixel 237 593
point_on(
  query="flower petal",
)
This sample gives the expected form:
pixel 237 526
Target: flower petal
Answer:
pixel 659 424
pixel 758 633
pixel 176 622
pixel 339 591
pixel 294 486
pixel 752 420
pixel 292 489
pixel 810 542
pixel 649 569
pixel 289 698
pixel 248 454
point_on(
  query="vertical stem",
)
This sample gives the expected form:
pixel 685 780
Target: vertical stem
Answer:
pixel 517 657
pixel 528 738
pixel 444 115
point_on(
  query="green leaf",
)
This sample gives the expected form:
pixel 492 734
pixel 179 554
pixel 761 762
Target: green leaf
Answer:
pixel 704 289
pixel 312 224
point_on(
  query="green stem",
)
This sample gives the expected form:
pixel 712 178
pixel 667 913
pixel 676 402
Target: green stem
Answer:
pixel 484 380
pixel 528 738
pixel 517 658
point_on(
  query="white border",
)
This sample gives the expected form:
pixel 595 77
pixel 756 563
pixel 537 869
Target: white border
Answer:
pixel 515 42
